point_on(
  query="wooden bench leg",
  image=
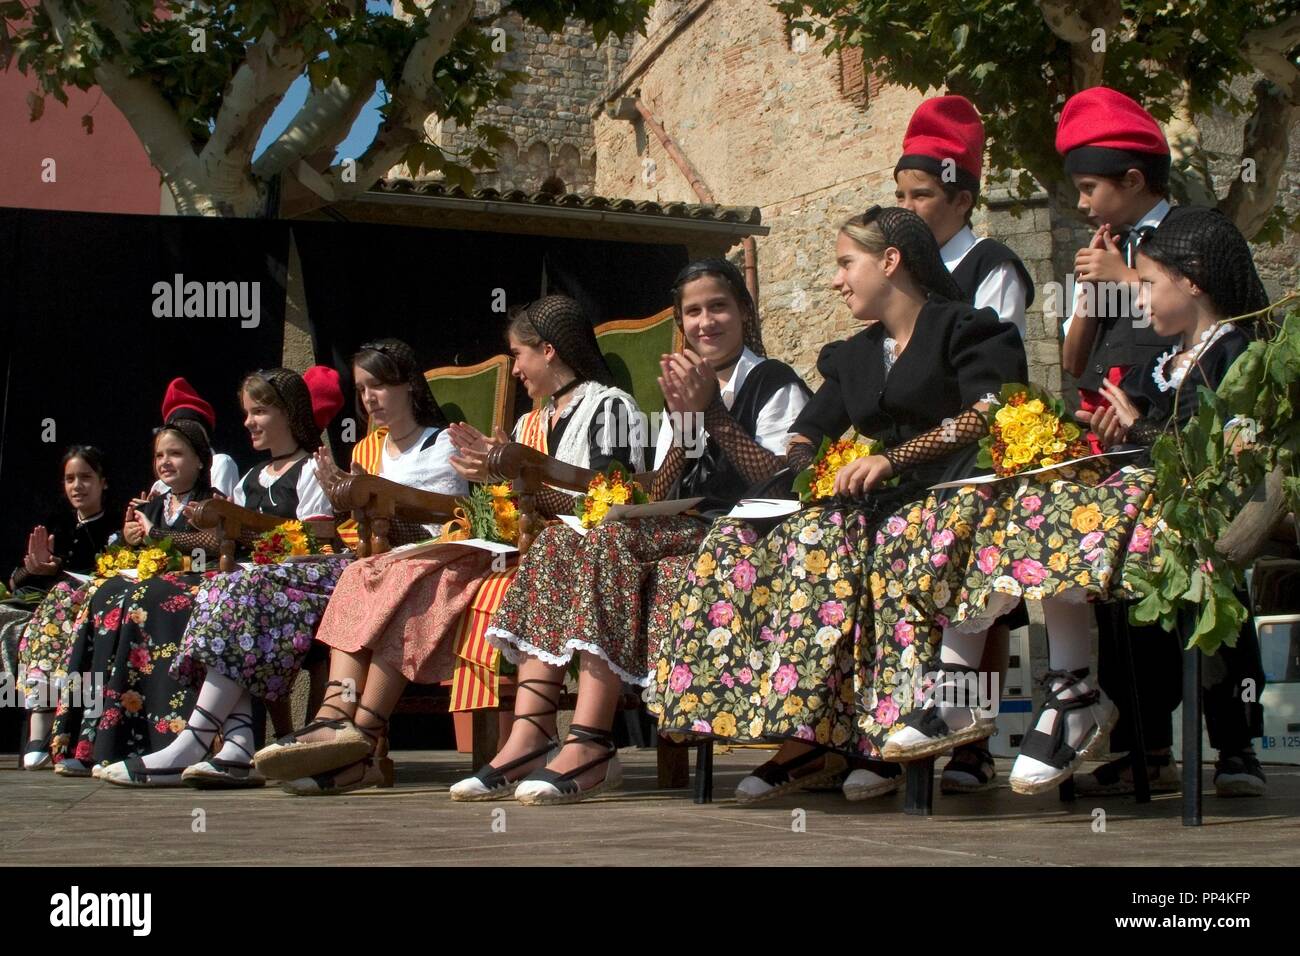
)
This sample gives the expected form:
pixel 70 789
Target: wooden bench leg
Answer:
pixel 918 799
pixel 487 735
pixel 672 764
pixel 704 772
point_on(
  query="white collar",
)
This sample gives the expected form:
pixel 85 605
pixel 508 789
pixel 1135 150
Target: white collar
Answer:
pixel 1155 215
pixel 955 249
pixel 743 366
pixel 1208 338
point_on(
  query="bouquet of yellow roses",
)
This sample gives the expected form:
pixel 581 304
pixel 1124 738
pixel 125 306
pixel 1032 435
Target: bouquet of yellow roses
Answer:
pixel 286 540
pixel 817 481
pixel 158 558
pixel 1029 430
pixel 612 487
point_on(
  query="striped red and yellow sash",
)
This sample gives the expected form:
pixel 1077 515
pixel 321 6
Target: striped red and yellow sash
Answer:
pixel 475 682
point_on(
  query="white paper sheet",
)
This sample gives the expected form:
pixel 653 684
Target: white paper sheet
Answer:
pixel 655 509
pixel 989 479
pixel 751 509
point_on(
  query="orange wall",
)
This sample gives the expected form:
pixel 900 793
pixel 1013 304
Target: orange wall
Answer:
pixel 106 171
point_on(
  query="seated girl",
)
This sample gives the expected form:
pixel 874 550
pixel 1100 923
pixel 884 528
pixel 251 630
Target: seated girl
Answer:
pixel 773 635
pixel 1067 537
pixel 130 623
pixel 35 638
pixel 592 594
pixel 392 615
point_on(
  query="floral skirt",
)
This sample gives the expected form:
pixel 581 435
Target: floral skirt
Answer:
pixel 255 625
pixel 768 634
pixel 14 619
pixel 405 610
pixel 608 592
pixel 1075 535
pixel 127 636
pixel 45 640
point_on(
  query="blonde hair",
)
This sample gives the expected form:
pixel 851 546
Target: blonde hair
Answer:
pixel 868 235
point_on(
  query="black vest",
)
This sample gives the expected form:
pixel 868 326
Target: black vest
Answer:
pixel 985 256
pixel 1121 342
pixel 281 499
pixel 713 474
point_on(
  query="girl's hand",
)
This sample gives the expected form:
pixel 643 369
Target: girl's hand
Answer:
pixel 328 473
pixel 131 527
pixel 1105 424
pixel 691 378
pixel 859 477
pixel 1125 411
pixel 467 438
pixel 40 558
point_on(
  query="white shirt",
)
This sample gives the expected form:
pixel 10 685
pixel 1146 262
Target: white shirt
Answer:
pixel 1154 217
pixel 428 469
pixel 225 475
pixel 774 419
pixel 1002 290
pixel 312 502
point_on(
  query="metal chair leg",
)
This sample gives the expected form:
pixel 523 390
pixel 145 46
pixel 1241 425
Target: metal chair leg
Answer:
pixel 1192 737
pixel 918 799
pixel 1138 753
pixel 704 772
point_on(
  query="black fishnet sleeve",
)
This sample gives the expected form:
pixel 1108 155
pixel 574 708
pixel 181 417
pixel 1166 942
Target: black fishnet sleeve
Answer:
pixel 1145 431
pixel 799 455
pixel 187 541
pixel 553 501
pixel 669 473
pixel 937 443
pixel 751 459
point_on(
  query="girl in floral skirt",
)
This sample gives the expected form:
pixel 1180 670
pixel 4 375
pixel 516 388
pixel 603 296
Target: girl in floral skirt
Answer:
pixel 150 621
pixel 35 639
pixel 393 615
pixel 1065 537
pixel 595 594
pixel 773 636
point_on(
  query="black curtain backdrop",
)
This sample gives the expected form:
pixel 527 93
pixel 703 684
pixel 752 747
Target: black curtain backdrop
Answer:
pixel 81 345
pixel 434 288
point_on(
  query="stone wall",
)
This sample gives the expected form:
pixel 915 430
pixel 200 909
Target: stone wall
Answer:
pixel 548 118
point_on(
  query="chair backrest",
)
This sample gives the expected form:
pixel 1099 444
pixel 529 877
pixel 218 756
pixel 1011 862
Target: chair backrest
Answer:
pixel 482 395
pixel 632 348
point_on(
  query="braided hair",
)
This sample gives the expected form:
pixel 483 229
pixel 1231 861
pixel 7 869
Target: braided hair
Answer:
pixel 284 389
pixel 393 362
pixel 883 227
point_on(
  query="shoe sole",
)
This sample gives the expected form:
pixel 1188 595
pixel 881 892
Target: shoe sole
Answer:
pixel 557 799
pixel 137 785
pixel 817 779
pixel 957 788
pixel 1238 788
pixel 333 792
pixel 309 759
pixel 73 773
pixel 206 781
pixel 501 793
pixel 930 748
pixel 854 794
pixel 1029 788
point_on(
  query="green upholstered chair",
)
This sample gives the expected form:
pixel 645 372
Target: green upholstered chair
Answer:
pixel 482 395
pixel 632 348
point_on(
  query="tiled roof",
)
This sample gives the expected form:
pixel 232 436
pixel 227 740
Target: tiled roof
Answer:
pixel 699 212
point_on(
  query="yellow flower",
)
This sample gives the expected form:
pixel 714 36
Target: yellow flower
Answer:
pixel 724 725
pixel 793 705
pixel 764 685
pixel 176 725
pixel 756 727
pixel 1083 578
pixel 843 588
pixel 760 596
pixel 689 703
pixel 707 698
pixel 1058 561
pixel 1055 540
pixel 661 673
pixel 1085 518
pixel 816 562
pixel 798 601
pixel 825 487
pixel 814 701
pixel 839 735
pixel 705 566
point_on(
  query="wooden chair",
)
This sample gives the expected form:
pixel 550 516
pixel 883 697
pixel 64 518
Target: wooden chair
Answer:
pixel 482 395
pixel 229 520
pixel 632 348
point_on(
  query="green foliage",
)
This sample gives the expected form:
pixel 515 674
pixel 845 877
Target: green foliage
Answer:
pixel 159 42
pixel 1002 56
pixel 1201 485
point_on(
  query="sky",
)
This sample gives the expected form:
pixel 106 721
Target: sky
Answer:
pixel 363 130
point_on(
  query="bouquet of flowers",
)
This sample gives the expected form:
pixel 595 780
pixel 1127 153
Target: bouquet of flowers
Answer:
pixel 1029 430
pixel 612 487
pixel 489 513
pixel 817 481
pixel 158 558
pixel 286 540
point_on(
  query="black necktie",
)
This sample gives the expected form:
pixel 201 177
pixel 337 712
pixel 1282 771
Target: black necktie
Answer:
pixel 1131 240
